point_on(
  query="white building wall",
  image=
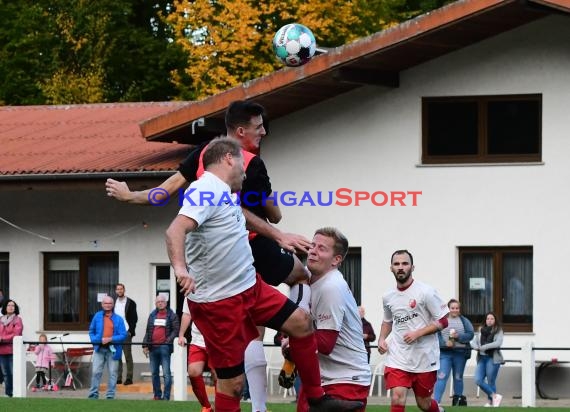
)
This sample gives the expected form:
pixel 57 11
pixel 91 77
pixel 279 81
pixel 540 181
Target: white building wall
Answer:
pixel 74 219
pixel 370 139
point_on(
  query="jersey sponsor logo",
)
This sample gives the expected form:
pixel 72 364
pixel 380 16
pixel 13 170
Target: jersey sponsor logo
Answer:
pixel 404 319
pixel 324 316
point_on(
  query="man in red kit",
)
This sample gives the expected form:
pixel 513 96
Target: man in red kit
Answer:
pixel 413 313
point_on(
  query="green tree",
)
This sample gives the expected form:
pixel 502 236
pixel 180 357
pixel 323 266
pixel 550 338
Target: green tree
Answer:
pixel 25 51
pixel 79 51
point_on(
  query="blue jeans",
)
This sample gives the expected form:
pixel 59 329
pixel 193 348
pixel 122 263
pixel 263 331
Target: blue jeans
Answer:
pixel 100 358
pixel 489 370
pixel 450 360
pixel 6 364
pixel 160 356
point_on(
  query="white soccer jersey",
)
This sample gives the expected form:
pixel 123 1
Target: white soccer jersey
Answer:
pixel 217 252
pixel 411 309
pixel 333 307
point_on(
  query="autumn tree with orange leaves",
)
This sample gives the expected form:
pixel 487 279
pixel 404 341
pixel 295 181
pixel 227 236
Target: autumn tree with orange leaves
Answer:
pixel 229 42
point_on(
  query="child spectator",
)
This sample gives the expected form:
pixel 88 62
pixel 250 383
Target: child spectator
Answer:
pixel 44 355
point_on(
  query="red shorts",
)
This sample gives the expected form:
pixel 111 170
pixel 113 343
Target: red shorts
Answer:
pixel 346 391
pixel 197 354
pixel 422 383
pixel 230 324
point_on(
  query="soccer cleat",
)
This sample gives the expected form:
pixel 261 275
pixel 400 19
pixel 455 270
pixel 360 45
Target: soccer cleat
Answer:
pixel 327 403
pixel 287 375
pixel 497 400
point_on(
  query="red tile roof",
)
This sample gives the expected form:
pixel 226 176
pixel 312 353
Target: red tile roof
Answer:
pixel 95 138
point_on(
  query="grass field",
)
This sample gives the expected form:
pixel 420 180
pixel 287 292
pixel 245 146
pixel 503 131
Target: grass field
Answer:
pixel 86 405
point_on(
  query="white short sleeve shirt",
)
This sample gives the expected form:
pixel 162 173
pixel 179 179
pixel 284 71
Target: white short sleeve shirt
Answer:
pixel 333 307
pixel 411 309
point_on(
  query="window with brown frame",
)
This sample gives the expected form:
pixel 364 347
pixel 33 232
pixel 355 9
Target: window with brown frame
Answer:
pixel 482 129
pixel 73 286
pixel 499 280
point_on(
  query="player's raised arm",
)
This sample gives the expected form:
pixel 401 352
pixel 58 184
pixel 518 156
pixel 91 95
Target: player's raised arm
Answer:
pixel 156 196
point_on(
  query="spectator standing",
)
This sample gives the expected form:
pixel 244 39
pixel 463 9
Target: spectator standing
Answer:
pixel 161 330
pixel 488 343
pixel 107 332
pixel 10 325
pixel 454 350
pixel 126 308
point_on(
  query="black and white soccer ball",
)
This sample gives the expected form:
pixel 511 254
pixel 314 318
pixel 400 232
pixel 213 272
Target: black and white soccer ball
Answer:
pixel 294 44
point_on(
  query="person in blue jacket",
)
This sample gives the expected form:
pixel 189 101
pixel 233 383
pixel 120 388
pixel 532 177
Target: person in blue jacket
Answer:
pixel 107 331
pixel 454 350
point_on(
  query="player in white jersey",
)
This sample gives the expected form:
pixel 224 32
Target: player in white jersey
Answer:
pixel 345 372
pixel 197 358
pixel 413 313
pixel 226 297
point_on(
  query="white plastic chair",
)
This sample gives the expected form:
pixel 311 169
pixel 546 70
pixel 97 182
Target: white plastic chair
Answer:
pixel 274 364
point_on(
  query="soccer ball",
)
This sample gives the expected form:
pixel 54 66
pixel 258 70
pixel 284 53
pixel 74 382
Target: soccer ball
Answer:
pixel 294 44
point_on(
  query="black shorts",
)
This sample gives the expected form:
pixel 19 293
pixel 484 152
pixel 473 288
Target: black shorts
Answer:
pixel 271 261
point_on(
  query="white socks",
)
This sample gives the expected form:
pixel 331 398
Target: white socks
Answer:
pixel 255 372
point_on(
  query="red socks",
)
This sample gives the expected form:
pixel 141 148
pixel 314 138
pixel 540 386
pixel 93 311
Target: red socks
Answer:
pixel 199 389
pixel 304 354
pixel 434 407
pixel 397 408
pixel 226 403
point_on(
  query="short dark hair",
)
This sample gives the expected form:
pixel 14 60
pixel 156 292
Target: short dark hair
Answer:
pixel 401 252
pixel 218 148
pixel 5 305
pixel 240 112
pixel 340 241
